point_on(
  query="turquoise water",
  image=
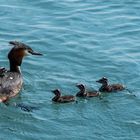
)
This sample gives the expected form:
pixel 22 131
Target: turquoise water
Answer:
pixel 82 40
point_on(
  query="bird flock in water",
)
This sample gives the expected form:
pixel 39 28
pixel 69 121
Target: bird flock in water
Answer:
pixel 15 57
pixel 84 93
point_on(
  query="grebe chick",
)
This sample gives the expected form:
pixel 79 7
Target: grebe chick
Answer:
pixel 11 81
pixel 106 87
pixel 2 71
pixel 84 93
pixel 62 99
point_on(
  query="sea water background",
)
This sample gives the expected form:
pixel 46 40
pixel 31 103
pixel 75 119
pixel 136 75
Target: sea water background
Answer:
pixel 82 40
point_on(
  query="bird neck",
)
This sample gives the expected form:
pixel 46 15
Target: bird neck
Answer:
pixel 82 91
pixel 104 85
pixel 14 67
pixel 56 98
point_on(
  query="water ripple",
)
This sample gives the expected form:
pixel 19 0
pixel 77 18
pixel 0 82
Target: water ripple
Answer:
pixel 82 40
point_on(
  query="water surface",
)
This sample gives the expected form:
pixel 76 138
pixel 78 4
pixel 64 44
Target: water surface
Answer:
pixel 82 40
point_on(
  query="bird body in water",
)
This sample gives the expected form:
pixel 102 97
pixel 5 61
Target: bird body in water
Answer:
pixel 11 80
pixel 106 87
pixel 62 99
pixel 84 93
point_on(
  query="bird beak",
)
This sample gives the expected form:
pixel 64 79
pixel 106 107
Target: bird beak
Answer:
pixel 52 91
pixel 35 53
pixel 77 85
pixel 98 81
pixel 12 42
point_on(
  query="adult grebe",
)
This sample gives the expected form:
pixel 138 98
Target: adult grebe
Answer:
pixel 11 81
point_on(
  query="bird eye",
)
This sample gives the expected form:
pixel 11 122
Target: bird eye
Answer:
pixel 29 51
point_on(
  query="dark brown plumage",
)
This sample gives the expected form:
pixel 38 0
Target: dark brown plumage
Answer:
pixel 106 87
pixel 84 93
pixel 62 99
